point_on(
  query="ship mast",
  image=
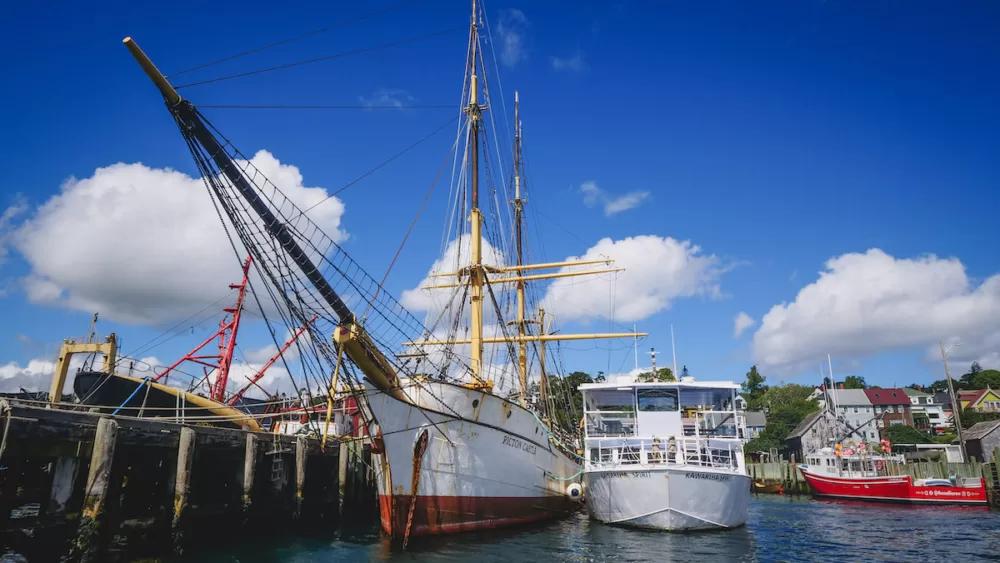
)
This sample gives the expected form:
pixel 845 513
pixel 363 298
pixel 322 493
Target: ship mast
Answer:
pixel 516 274
pixel 522 344
pixel 476 273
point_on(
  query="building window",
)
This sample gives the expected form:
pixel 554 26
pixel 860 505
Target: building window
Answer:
pixel 855 410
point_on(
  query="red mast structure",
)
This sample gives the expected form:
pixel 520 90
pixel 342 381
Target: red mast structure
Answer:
pixel 226 334
pixel 253 380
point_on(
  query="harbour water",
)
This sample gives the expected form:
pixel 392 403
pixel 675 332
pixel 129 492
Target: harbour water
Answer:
pixel 780 528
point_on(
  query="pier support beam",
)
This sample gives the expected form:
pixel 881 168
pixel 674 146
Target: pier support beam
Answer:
pixel 182 485
pixel 343 461
pixel 89 535
pixel 63 483
pixel 301 447
pixel 249 469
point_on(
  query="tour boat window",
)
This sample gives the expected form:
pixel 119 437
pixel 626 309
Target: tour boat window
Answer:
pixel 658 400
pixel 610 400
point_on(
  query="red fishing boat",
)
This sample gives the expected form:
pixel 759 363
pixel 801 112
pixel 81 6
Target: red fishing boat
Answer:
pixel 852 474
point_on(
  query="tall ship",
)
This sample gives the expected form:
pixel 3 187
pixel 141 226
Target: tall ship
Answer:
pixel 457 446
pixel 665 455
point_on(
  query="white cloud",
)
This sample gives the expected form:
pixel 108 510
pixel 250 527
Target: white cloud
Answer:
pixel 863 304
pixel 594 195
pixel 574 63
pixel 387 97
pixel 144 245
pixel 457 255
pixel 35 376
pixel 742 322
pixel 658 271
pixel 6 222
pixel 512 26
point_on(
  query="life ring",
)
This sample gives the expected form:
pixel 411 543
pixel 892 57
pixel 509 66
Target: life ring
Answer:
pixel 879 465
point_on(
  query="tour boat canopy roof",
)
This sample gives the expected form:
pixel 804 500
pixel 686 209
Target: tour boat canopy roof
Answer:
pixel 692 385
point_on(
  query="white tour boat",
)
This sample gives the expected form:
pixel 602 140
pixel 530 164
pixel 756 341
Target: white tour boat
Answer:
pixel 665 455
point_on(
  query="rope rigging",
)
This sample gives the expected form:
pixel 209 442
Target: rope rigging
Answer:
pixel 320 59
pixel 295 38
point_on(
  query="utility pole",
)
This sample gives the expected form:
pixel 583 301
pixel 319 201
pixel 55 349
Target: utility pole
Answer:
pixel 955 405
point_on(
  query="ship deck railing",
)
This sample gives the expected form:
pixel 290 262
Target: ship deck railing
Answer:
pixel 649 452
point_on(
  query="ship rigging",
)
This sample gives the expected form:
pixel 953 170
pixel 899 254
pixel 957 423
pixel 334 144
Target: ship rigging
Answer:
pixel 413 380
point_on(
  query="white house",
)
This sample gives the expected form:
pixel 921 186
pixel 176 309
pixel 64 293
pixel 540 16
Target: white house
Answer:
pixel 924 403
pixel 853 407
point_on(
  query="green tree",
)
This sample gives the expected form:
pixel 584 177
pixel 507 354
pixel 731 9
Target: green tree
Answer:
pixel 566 397
pixel 903 434
pixel 854 382
pixel 753 389
pixel 662 374
pixel 986 378
pixel 600 377
pixel 939 386
pixel 970 417
pixel 967 381
pixel 787 406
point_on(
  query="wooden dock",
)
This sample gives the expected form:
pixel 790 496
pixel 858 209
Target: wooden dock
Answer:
pixel 102 488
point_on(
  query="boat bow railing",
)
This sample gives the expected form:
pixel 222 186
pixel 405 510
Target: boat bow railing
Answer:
pixel 684 451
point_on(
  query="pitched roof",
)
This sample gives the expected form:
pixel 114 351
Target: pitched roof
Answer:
pixel 973 395
pixel 911 392
pixel 806 423
pixel 850 397
pixel 943 398
pixel 981 429
pixel 755 418
pixel 892 396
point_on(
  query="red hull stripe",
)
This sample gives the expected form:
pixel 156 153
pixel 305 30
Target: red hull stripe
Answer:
pixel 449 514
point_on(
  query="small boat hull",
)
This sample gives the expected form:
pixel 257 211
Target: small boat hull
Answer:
pixel 763 488
pixel 128 396
pixel 899 488
pixel 669 499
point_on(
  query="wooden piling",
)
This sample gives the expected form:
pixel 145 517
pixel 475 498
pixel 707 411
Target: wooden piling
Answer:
pixel 249 469
pixel 344 460
pixel 182 485
pixel 300 473
pixel 63 482
pixel 88 545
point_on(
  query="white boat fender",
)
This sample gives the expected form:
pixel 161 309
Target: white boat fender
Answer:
pixel 574 491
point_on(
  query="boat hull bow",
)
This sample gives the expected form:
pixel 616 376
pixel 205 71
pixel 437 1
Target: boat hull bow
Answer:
pixel 670 499
pixel 471 460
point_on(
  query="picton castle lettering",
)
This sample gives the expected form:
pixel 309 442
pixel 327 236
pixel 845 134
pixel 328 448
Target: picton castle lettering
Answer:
pixel 520 444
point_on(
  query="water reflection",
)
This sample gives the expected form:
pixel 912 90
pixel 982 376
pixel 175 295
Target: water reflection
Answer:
pixel 779 529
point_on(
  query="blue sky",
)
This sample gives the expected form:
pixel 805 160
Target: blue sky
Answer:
pixel 775 136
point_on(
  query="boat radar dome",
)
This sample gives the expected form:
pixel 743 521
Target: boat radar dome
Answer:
pixel 688 379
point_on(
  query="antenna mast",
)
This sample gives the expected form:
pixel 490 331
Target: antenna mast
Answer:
pixel 673 350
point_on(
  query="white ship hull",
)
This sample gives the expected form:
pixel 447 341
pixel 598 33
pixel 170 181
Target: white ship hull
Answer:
pixel 671 499
pixel 485 462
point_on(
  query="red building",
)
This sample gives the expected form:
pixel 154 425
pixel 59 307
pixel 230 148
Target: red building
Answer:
pixel 892 406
